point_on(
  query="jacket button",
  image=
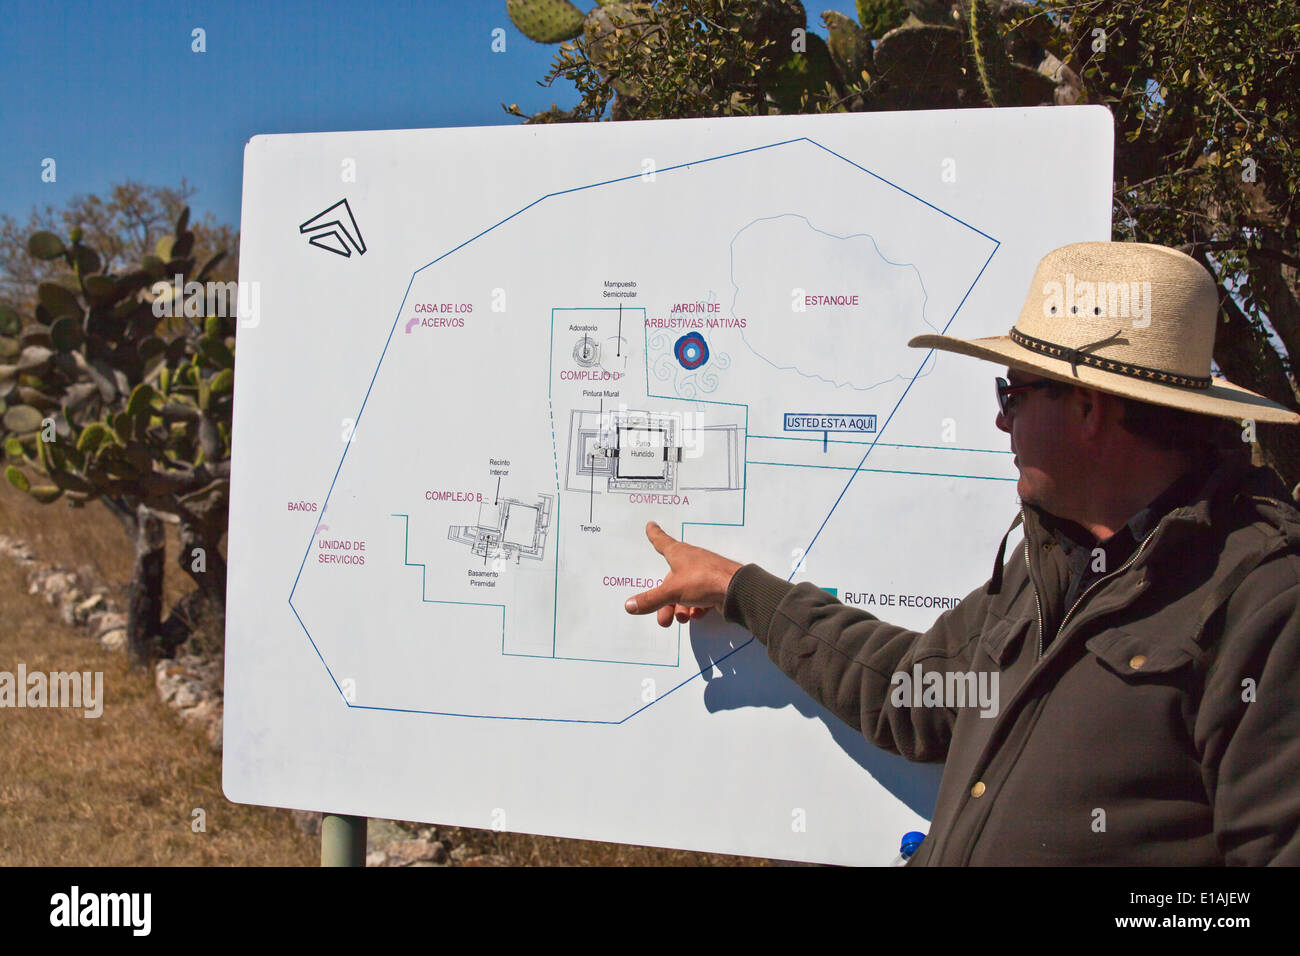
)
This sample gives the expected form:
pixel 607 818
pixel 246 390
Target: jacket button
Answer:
pixel 978 789
pixel 1047 546
pixel 1136 661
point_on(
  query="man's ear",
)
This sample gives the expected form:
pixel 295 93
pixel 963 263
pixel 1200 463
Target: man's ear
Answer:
pixel 1091 407
pixel 1097 410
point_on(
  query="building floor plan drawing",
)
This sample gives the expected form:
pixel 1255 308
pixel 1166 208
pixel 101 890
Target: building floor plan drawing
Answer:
pixel 631 450
pixel 556 335
pixel 518 531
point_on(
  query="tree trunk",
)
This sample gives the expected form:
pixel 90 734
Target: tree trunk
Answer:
pixel 144 607
pixel 200 558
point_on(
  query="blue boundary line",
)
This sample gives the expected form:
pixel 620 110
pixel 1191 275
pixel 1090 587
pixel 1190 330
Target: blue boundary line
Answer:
pixel 885 444
pixel 881 471
pixel 745 482
pixel 424 579
pixel 894 410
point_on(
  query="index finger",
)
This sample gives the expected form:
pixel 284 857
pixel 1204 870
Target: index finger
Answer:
pixel 659 538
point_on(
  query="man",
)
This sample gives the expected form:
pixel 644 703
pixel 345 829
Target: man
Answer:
pixel 1146 636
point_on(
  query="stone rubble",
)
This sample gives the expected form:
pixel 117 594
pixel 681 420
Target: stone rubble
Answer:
pixel 188 684
pixel 400 843
pixel 192 686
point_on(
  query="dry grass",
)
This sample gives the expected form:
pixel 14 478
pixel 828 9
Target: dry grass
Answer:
pixel 118 790
pixel 88 540
pixel 522 849
pixel 121 789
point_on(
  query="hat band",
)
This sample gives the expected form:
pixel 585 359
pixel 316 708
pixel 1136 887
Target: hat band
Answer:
pixel 1079 357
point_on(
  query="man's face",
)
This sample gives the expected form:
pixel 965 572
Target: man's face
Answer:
pixel 1045 448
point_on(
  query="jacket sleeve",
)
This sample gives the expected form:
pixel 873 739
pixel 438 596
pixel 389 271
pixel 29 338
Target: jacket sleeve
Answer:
pixel 845 658
pixel 1248 728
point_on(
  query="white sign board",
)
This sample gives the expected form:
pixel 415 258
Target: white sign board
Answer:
pixel 482 359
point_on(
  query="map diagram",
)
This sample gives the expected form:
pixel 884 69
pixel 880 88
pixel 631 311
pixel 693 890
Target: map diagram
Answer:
pixel 764 350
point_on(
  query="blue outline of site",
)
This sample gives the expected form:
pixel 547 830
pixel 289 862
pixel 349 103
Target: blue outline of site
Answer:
pixel 868 440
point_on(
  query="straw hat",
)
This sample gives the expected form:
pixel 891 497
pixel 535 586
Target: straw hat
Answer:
pixel 1127 318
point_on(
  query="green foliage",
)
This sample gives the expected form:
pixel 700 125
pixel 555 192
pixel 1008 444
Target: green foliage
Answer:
pixel 921 67
pixel 982 32
pixel 678 58
pixel 878 17
pixel 17 479
pixel 22 418
pixel 66 333
pixel 94 436
pixel 546 21
pixel 687 58
pixel 58 300
pixel 804 76
pixel 140 401
pixel 849 45
pixel 45 245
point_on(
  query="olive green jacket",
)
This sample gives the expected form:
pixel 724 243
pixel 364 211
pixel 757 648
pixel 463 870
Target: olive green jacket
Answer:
pixel 1161 727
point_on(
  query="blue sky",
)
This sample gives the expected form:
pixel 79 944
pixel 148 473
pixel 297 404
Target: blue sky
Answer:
pixel 112 90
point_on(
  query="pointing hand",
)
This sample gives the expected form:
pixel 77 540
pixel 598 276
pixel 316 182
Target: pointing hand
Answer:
pixel 696 582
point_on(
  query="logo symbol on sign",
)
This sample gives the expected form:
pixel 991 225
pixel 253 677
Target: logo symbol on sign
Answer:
pixel 335 229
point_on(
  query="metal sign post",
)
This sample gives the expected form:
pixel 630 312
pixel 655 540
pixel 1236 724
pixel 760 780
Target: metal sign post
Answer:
pixel 343 841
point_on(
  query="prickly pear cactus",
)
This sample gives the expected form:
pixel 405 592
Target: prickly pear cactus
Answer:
pixel 849 45
pixel 803 75
pixel 932 11
pixel 1002 80
pixel 878 17
pixel 546 21
pixel 901 54
pixel 116 390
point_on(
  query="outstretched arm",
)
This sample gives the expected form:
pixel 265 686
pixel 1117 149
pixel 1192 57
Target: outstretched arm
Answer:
pixel 842 656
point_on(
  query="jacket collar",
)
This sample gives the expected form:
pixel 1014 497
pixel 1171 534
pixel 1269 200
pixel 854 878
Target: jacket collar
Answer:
pixel 1230 477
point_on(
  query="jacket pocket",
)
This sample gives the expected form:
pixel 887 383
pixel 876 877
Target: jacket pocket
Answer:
pixel 1138 657
pixel 1001 640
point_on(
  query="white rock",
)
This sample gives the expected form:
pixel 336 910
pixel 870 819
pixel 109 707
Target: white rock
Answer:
pixel 185 696
pixel 95 602
pixel 409 851
pixel 68 602
pixel 57 583
pixel 111 622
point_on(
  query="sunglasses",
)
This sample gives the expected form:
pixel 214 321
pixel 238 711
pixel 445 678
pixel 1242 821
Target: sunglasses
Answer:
pixel 1006 390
